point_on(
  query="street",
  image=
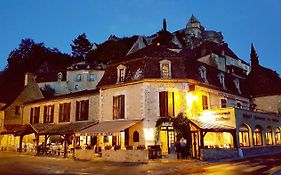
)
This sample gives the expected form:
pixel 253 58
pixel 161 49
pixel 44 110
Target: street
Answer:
pixel 15 163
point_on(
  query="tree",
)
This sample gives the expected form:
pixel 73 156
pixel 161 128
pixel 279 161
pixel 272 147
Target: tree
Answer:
pixel 81 47
pixel 164 25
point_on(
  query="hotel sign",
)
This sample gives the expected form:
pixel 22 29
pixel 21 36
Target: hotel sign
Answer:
pixel 222 115
pixel 257 117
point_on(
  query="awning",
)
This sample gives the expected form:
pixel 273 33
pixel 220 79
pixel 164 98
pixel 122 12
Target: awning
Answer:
pixel 68 128
pixel 108 127
pixel 211 126
pixel 36 128
pixel 11 129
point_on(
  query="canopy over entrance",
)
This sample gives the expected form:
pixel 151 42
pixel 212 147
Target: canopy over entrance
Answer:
pixel 211 127
pixel 108 127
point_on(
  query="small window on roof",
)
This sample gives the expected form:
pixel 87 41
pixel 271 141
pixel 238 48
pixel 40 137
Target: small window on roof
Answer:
pixel 203 73
pixel 165 69
pixel 121 73
pixel 237 85
pixel 221 79
pixel 60 76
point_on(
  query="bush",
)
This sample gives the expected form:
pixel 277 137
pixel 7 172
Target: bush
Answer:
pixel 141 147
pixel 117 147
pixel 129 147
pixel 108 147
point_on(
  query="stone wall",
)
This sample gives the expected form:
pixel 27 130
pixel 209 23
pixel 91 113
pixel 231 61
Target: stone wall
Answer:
pixel 255 151
pixel 269 103
pixel 140 156
pixel 218 153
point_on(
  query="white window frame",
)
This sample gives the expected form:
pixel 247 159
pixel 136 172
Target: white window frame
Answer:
pixel 121 78
pixel 203 73
pixel 221 79
pixel 165 75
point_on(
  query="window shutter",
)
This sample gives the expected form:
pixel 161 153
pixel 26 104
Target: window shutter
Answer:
pixel 170 103
pixel 31 115
pixel 163 103
pixel 114 107
pixel 52 113
pixel 77 111
pixel 122 106
pixel 86 110
pixel 45 113
pixel 61 113
pixel 67 118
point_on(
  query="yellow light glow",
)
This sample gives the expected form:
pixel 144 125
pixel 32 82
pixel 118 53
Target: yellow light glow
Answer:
pixel 207 116
pixel 148 135
pixel 190 98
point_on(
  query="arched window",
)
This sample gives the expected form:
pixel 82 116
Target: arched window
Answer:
pixel 136 136
pixel 268 136
pixel 278 136
pixel 258 136
pixel 60 76
pixel 244 135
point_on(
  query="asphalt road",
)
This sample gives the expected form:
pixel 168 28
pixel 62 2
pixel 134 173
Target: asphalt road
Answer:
pixel 262 165
pixel 17 164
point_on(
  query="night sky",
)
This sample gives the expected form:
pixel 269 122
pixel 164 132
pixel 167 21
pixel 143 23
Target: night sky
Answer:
pixel 57 22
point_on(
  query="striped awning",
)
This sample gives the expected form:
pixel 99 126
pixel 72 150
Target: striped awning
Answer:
pixel 211 126
pixel 108 127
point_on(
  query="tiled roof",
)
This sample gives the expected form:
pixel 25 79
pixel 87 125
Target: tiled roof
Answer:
pixel 12 129
pixel 51 76
pixel 74 94
pixel 211 126
pixel 263 82
pixel 182 68
pixel 68 128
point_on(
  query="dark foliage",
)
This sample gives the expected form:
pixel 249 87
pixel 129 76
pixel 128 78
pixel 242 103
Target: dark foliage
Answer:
pixel 47 91
pixel 81 47
pixel 28 57
pixel 163 38
pixel 111 49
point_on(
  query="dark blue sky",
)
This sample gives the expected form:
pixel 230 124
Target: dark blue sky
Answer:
pixel 58 22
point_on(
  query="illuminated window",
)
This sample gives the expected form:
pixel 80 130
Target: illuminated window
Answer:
pixel 278 136
pixel 136 136
pixel 82 110
pixel 205 102
pixel 49 113
pixel 78 77
pixel 91 77
pixel 221 79
pixel 268 136
pixel 258 136
pixel 34 115
pixel 119 107
pixel 223 103
pixel 244 136
pixel 203 73
pixel 165 69
pixel 64 112
pixel 166 104
pixel 121 73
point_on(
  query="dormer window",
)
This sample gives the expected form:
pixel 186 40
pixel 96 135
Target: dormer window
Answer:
pixel 237 85
pixel 203 73
pixel 221 79
pixel 60 76
pixel 121 73
pixel 165 69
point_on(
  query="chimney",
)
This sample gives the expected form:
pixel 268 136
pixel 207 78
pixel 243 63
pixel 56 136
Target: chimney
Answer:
pixel 28 78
